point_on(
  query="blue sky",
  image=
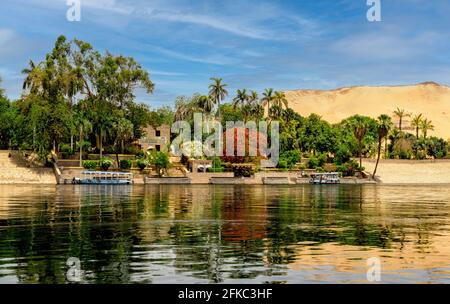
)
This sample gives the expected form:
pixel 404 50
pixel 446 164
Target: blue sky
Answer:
pixel 254 44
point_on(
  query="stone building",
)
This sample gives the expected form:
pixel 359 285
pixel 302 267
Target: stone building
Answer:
pixel 156 139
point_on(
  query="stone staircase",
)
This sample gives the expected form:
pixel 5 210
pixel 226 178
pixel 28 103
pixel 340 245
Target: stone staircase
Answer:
pixel 14 169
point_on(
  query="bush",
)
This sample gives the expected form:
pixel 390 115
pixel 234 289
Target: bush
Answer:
pixel 125 164
pixel 322 159
pixel 140 154
pixel 105 163
pixel 243 170
pixel 160 160
pixel 313 162
pixel 349 168
pixel 343 155
pixel 216 166
pixel 131 150
pixel 291 158
pixel 320 170
pixel 90 164
pixel 142 163
pixel 283 164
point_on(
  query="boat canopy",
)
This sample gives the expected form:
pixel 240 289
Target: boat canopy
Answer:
pixel 107 174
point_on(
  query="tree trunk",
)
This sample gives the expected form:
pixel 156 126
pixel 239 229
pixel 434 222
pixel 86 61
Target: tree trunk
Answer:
pixel 378 158
pixel 360 155
pixel 218 110
pixel 117 156
pixel 34 137
pixel 417 133
pixel 81 146
pixel 400 124
pixel 386 148
pixel 71 141
pixel 122 149
pixel 101 144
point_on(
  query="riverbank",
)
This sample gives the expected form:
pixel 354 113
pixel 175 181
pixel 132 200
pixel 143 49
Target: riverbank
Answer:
pixel 411 171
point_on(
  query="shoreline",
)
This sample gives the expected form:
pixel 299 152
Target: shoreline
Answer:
pixel 390 172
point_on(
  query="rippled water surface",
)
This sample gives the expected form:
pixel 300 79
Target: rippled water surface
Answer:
pixel 229 234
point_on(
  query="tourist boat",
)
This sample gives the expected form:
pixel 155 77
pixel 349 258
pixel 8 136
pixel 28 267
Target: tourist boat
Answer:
pixel 104 178
pixel 325 178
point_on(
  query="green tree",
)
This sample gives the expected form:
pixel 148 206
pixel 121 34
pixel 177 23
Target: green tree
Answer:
pixel 416 123
pixel 425 126
pixel 218 92
pixel 401 114
pixel 267 99
pixel 384 125
pixel 84 129
pixel 160 160
pixel 360 128
pixel 206 104
pixel 316 135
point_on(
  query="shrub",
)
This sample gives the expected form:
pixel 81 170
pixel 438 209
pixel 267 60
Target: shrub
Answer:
pixel 160 160
pixel 65 148
pixel 125 164
pixel 216 166
pixel 140 154
pixel 283 164
pixel 142 163
pixel 322 159
pixel 313 162
pixel 291 158
pixel 349 168
pixel 343 155
pixel 243 170
pixel 90 164
pixel 320 170
pixel 105 163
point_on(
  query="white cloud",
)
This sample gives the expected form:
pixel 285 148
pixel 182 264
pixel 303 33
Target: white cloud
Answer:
pixel 234 27
pixel 384 46
pixel 210 59
pixel 6 35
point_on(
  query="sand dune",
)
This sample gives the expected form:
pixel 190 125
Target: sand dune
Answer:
pixel 431 99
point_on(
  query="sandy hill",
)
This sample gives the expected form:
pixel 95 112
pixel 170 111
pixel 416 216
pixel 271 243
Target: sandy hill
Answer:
pixel 431 99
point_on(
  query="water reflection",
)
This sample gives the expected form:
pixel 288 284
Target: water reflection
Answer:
pixel 200 234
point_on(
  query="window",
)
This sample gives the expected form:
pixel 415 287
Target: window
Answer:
pixel 158 133
pixel 158 148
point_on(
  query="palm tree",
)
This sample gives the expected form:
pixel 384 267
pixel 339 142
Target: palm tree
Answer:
pixel 384 125
pixel 206 104
pixel 217 92
pixel 33 77
pixel 360 128
pixel 240 99
pixel 401 113
pixel 84 128
pixel 253 97
pixel 280 100
pixel 426 126
pixel 416 122
pixel 267 99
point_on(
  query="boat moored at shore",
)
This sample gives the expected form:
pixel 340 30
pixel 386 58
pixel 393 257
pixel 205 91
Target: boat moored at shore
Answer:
pixel 325 178
pixel 104 178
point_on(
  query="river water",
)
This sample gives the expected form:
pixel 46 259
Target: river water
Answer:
pixel 224 234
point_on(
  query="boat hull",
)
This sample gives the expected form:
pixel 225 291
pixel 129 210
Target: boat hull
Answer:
pixel 103 182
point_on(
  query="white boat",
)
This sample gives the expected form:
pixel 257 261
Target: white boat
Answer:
pixel 325 178
pixel 104 178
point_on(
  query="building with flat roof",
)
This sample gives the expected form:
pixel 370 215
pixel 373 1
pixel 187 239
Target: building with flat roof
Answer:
pixel 156 139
